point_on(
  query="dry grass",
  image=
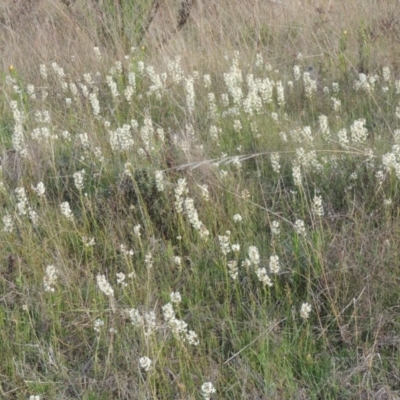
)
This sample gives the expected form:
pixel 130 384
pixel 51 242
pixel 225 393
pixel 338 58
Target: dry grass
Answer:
pixel 44 31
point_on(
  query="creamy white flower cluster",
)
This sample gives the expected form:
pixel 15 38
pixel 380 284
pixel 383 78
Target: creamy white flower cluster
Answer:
pixel 121 139
pixel 50 279
pixel 178 326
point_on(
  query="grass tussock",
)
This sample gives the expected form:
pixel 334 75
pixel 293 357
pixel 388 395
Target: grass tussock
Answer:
pixel 199 200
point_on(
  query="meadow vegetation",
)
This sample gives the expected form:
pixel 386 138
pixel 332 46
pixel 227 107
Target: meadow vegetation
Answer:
pixel 200 200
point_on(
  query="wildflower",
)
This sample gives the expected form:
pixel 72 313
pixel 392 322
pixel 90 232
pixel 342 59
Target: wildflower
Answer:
pixel 296 172
pixel 275 162
pixel 128 93
pixel 33 216
pixel 275 228
pixel 118 66
pixel 97 53
pixel 274 265
pixel 94 101
pixel 207 389
pixel 387 202
pixel 259 60
pixel 178 327
pixel 66 135
pixel 296 72
pixel 310 85
pixel 274 116
pixel 362 83
pixel 323 124
pixel 113 86
pixel 136 319
pixel 124 250
pixel 177 261
pixel 237 126
pixel 204 192
pixel 245 194
pixel 39 189
pixel 121 139
pixel 148 260
pixel 175 70
pixel 156 81
pixel 212 106
pixel 168 312
pixel 235 248
pixel 145 363
pixel 88 79
pixel 98 324
pixel 50 278
pixel 236 162
pixel 386 74
pixel 150 322
pixel 192 338
pixel 224 244
pixel 175 297
pixel 265 89
pixel 8 223
pixel 88 242
pixel 358 131
pixel 66 210
pixel 306 134
pixel 140 66
pixel 225 98
pixel 233 269
pixel 343 139
pixel 253 102
pixel 43 71
pixel 254 255
pixel 189 95
pixel 146 133
pixel 299 227
pixel 237 218
pixel 159 176
pixel 194 218
pixel 160 134
pixel 263 277
pixel 280 93
pixel 380 176
pixel 397 86
pixel 30 89
pixel 233 80
pixel 98 154
pixel 22 204
pixel 283 136
pixel 121 279
pixel 136 230
pixel 305 311
pixel 317 206
pixel 104 285
pixel 78 179
pixel 59 71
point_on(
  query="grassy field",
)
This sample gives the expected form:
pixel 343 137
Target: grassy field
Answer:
pixel 200 200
